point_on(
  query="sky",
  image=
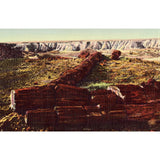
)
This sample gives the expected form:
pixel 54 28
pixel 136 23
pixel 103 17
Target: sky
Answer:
pixel 18 35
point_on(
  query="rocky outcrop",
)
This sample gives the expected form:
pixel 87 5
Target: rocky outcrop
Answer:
pixel 10 51
pixel 116 54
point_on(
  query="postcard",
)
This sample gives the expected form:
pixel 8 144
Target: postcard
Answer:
pixel 79 80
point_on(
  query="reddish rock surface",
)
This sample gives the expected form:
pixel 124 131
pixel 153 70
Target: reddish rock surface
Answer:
pixel 41 117
pixel 116 54
pixel 34 98
pixel 104 107
pixel 152 89
pixel 106 99
pixel 117 115
pixel 80 116
pixel 142 112
pixel 133 94
pixel 71 95
pixel 85 53
pixel 71 116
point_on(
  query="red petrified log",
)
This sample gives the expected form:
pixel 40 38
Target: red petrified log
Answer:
pixel 95 116
pixel 76 75
pixel 80 116
pixel 117 115
pixel 141 111
pixel 95 57
pixel 144 111
pixel 32 98
pixel 41 118
pixel 152 89
pixel 116 54
pixel 134 94
pixel 106 99
pixel 71 116
pixel 84 54
pixel 90 109
pixel 71 96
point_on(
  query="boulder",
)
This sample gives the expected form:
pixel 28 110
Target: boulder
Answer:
pixel 116 54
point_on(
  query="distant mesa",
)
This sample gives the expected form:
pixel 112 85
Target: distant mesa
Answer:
pixel 100 45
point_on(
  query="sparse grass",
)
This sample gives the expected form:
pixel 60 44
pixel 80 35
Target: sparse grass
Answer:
pixel 100 85
pixel 123 71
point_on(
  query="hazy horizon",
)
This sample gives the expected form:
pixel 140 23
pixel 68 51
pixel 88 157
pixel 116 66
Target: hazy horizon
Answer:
pixel 21 35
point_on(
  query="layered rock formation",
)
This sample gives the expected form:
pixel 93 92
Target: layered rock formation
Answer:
pixel 7 50
pixel 96 45
pixel 13 50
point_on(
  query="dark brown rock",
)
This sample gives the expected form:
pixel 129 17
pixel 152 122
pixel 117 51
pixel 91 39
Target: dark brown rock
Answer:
pixel 85 53
pixel 116 54
pixel 71 95
pixel 8 51
pixel 70 116
pixel 117 115
pixel 106 99
pixel 41 118
pixel 152 89
pixel 134 94
pixel 32 98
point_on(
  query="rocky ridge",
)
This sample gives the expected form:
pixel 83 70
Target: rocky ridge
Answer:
pixel 96 45
pixel 81 45
pixel 13 50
